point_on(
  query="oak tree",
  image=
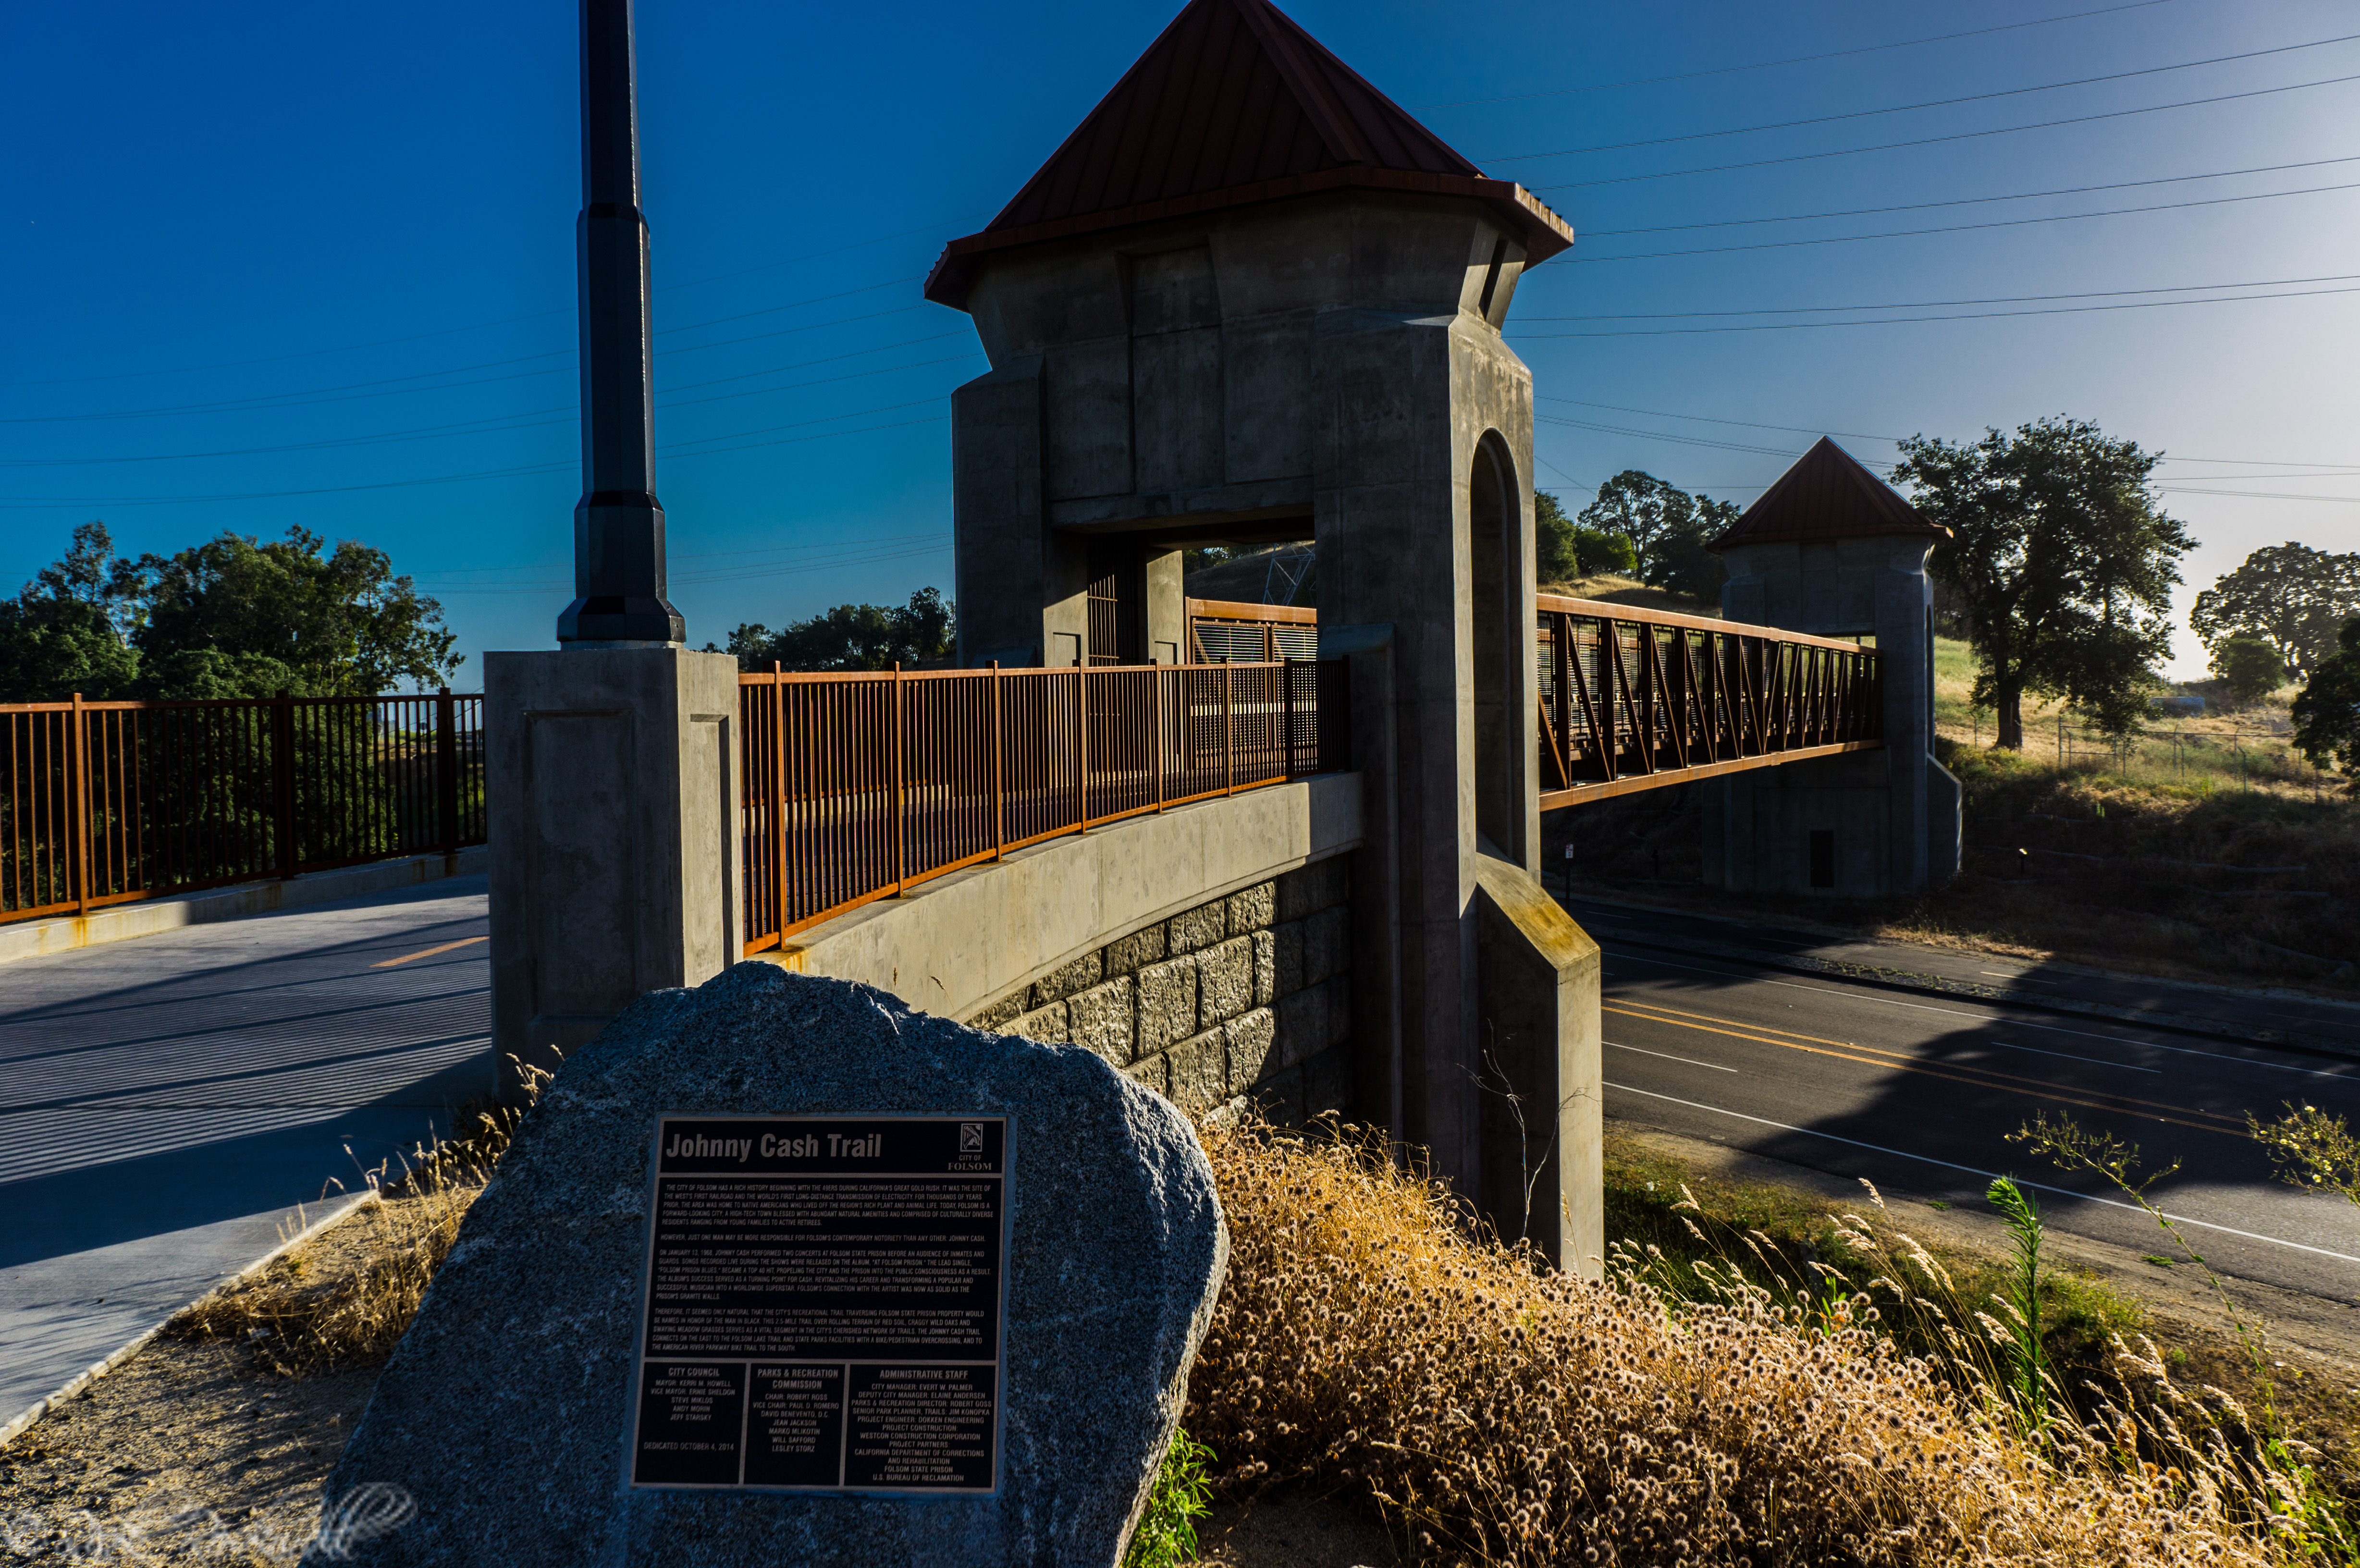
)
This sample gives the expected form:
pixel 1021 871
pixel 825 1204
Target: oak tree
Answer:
pixel 2290 596
pixel 2061 561
pixel 853 636
pixel 2327 710
pixel 1668 529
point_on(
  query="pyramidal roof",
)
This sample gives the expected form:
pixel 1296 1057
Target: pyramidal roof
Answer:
pixel 1827 495
pixel 1234 103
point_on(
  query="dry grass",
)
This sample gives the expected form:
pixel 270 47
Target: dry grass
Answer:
pixel 1498 1413
pixel 298 1320
pixel 299 1323
pixel 1615 589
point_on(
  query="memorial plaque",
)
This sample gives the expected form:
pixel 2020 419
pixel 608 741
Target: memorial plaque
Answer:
pixel 823 1303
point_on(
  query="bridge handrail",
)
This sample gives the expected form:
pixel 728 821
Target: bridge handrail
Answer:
pixel 1558 604
pixel 862 785
pixel 105 802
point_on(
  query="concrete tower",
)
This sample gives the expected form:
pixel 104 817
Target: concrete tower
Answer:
pixel 1251 299
pixel 1833 550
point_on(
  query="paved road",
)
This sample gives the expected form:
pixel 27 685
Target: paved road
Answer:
pixel 170 1106
pixel 2317 1017
pixel 1920 1091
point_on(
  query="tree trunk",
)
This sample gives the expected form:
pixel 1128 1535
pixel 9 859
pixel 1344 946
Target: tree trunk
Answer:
pixel 2008 703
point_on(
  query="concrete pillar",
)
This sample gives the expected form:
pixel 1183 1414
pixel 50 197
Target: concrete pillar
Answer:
pixel 1167 608
pixel 611 787
pixel 1543 1112
pixel 1890 817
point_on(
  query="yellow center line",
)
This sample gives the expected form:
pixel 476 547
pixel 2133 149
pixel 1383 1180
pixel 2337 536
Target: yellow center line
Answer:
pixel 431 952
pixel 1977 1077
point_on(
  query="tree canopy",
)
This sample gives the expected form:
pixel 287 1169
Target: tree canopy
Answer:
pixel 1566 550
pixel 2249 666
pixel 853 636
pixel 1668 529
pixel 230 618
pixel 2288 596
pixel 2062 563
pixel 2327 710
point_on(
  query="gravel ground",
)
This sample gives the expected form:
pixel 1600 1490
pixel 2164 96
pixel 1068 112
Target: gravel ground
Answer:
pixel 188 1453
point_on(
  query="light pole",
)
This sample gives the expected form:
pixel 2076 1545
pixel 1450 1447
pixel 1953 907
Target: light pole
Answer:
pixel 619 524
pixel 610 761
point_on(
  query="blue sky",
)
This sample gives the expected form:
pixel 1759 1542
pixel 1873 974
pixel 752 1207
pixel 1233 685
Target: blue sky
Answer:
pixel 373 210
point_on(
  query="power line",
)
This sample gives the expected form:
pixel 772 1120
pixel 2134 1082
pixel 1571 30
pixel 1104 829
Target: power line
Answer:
pixel 1944 304
pixel 269 402
pixel 1933 141
pixel 831 546
pixel 496 425
pixel 1862 435
pixel 1930 104
pixel 502 322
pixel 1965 201
pixel 1792 60
pixel 1906 320
pixel 28 502
pixel 1965 228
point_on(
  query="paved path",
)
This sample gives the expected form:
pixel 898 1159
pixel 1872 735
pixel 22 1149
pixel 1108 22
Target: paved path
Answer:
pixel 170 1106
pixel 1920 1092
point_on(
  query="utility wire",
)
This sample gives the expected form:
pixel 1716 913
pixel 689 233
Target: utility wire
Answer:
pixel 1860 435
pixel 1966 201
pixel 1930 104
pixel 1905 320
pixel 504 321
pixel 268 402
pixel 496 425
pixel 28 503
pixel 1966 228
pixel 1955 137
pixel 1945 304
pixel 1791 59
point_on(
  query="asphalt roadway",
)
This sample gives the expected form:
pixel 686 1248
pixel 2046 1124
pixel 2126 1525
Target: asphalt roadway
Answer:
pixel 1918 1090
pixel 171 1107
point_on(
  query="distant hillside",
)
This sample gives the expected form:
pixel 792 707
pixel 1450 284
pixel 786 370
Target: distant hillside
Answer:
pixel 1279 576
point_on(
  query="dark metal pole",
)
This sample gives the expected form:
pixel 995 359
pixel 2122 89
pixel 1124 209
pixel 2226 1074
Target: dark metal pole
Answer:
pixel 619 525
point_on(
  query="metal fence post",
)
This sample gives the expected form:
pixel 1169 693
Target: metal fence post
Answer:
pixel 78 758
pixel 1228 732
pixel 1082 743
pixel 998 772
pixel 1155 728
pixel 1286 693
pixel 282 773
pixel 901 792
pixel 447 770
pixel 775 771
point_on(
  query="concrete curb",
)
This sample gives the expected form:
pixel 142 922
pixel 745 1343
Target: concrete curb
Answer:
pixel 120 923
pixel 26 1420
pixel 1939 985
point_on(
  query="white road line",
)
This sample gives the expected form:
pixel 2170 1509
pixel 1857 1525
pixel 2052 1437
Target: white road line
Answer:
pixel 1691 1060
pixel 2069 1056
pixel 1972 1171
pixel 2345 1077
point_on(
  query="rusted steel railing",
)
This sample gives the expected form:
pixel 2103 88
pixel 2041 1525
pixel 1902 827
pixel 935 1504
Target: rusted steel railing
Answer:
pixel 105 802
pixel 860 787
pixel 1223 632
pixel 1640 699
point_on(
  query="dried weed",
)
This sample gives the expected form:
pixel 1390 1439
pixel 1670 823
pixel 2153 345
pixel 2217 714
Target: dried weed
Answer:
pixel 1499 1413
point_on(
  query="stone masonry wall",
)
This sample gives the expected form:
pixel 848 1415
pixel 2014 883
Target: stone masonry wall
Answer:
pixel 1247 998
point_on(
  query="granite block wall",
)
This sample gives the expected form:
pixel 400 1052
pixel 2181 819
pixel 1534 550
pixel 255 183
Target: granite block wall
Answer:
pixel 1246 999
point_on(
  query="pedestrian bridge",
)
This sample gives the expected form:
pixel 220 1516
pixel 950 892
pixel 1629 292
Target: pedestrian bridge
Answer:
pixel 866 786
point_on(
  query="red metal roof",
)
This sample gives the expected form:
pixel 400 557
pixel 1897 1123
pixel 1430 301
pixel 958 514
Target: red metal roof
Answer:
pixel 1827 495
pixel 1234 103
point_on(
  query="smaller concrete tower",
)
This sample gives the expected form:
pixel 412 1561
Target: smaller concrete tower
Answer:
pixel 1833 550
